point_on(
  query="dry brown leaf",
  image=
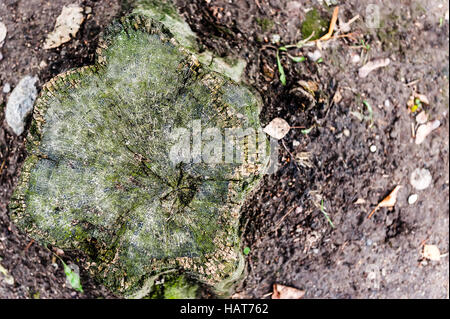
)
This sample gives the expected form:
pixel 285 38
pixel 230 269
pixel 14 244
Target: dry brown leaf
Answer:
pixel 285 292
pixel 67 25
pixel 389 201
pixel 277 128
pixel 431 252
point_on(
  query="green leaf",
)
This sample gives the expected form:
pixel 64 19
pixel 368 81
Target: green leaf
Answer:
pixel 418 102
pixel 369 108
pixel 283 49
pixel 307 131
pixel 320 60
pixel 297 58
pixel 246 251
pixel 73 278
pixel 322 209
pixel 281 70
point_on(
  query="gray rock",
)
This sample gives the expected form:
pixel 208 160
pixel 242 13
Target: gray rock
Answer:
pixel 421 178
pixel 6 88
pixel 314 56
pixel 412 199
pixel 20 103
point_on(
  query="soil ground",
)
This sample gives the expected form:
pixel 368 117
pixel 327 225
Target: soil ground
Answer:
pixel 291 242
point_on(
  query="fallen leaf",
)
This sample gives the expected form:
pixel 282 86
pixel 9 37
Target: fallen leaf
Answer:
pixel 285 292
pixel 73 278
pixel 431 252
pixel 3 31
pixel 360 201
pixel 389 201
pixel 277 128
pixel 371 66
pixel 67 25
pixel 425 129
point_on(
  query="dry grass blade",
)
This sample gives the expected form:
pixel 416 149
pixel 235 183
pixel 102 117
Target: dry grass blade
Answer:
pixel 332 25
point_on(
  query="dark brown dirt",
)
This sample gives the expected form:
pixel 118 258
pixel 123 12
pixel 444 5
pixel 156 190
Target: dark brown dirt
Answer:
pixel 290 240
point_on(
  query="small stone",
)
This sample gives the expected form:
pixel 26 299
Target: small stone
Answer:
pixel 43 64
pixel 20 103
pixel 355 58
pixel 275 38
pixel 346 132
pixel 314 56
pixel 6 88
pixel 421 178
pixel 373 148
pixel 387 103
pixel 295 143
pixel 412 199
pixel 88 10
pixel 3 31
pixel 431 252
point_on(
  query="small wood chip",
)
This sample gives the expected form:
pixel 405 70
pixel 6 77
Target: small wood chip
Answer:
pixel 373 65
pixel 426 129
pixel 67 25
pixel 285 292
pixel 431 252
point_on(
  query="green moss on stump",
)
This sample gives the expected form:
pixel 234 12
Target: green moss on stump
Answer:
pixel 314 23
pixel 175 286
pixel 99 176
